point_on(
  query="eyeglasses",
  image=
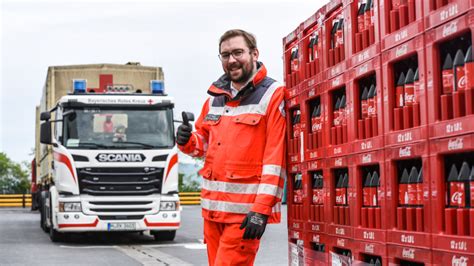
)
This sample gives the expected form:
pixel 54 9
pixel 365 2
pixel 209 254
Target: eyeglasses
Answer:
pixel 236 54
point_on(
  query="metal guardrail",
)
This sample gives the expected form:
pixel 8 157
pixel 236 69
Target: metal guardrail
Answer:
pixel 24 200
pixel 190 198
pixel 15 200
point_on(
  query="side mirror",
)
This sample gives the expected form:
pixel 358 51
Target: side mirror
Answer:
pixel 45 116
pixel 45 132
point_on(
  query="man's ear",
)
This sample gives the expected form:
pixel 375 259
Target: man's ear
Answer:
pixel 255 54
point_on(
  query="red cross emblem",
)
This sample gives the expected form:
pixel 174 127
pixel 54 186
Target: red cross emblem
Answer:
pixel 150 102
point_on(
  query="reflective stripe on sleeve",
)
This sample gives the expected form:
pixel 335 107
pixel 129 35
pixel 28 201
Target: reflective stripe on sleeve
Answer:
pixel 273 169
pixel 225 206
pixel 277 207
pixel 268 189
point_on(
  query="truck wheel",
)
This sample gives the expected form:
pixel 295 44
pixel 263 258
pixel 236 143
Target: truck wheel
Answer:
pixel 42 220
pixel 42 209
pixel 164 235
pixel 54 235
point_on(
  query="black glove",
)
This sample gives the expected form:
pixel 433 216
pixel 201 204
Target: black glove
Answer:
pixel 254 224
pixel 184 131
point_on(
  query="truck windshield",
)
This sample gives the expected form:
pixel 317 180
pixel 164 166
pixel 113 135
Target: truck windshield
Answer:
pixel 124 128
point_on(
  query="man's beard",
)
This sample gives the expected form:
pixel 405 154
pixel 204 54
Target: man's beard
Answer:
pixel 247 71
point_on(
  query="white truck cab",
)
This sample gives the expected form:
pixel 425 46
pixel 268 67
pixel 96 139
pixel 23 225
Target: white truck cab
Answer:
pixel 114 162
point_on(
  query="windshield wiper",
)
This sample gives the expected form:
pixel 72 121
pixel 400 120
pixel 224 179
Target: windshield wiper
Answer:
pixel 92 144
pixel 148 146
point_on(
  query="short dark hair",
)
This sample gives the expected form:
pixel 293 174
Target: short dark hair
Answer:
pixel 248 37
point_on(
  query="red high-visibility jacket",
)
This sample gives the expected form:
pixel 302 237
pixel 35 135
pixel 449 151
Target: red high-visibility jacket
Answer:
pixel 243 141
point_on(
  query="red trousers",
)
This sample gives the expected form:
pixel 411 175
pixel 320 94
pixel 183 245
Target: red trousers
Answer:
pixel 225 245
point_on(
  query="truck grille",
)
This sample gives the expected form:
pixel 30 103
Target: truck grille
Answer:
pixel 120 181
pixel 121 217
pixel 119 208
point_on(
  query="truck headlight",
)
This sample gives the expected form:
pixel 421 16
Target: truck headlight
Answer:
pixel 70 207
pixel 168 206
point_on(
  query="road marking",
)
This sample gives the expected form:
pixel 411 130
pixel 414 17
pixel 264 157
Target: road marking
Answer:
pixel 196 246
pixel 172 245
pixel 148 256
pixel 87 247
pixel 191 245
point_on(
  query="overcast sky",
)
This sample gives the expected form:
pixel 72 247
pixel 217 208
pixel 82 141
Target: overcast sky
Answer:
pixel 182 37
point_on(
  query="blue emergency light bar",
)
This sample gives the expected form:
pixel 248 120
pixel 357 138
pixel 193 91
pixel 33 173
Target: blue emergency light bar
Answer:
pixel 79 85
pixel 157 86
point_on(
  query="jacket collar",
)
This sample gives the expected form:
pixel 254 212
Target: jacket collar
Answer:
pixel 222 85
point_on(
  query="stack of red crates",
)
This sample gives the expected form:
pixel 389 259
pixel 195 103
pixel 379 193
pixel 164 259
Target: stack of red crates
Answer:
pixel 381 133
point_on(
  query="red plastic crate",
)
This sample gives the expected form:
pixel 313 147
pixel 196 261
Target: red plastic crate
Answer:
pixel 444 119
pixel 295 235
pixel 315 139
pixel 364 36
pixel 367 132
pixel 446 258
pixel 313 58
pixel 295 133
pixel 436 14
pixel 365 251
pixel 370 218
pixel 390 34
pixel 409 223
pixel 397 254
pixel 443 240
pixel 334 55
pixel 406 124
pixel 296 246
pixel 294 91
pixel 295 216
pixel 293 67
pixel 316 248
pixel 318 198
pixel 296 197
pixel 340 216
pixel 338 136
pixel 340 245
pixel 332 5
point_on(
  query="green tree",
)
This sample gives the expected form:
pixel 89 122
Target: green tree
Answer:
pixel 189 186
pixel 13 176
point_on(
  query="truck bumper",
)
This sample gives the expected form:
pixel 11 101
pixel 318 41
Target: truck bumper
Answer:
pixel 79 222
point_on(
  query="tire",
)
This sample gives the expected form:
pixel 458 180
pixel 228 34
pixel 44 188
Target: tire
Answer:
pixel 42 209
pixel 42 219
pixel 54 235
pixel 34 201
pixel 164 235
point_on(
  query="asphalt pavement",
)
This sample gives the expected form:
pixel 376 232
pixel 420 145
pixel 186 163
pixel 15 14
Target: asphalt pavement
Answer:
pixel 22 242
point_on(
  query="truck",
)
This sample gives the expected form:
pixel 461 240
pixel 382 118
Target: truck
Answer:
pixel 105 153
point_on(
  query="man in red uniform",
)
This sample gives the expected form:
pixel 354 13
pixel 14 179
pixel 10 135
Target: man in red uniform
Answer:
pixel 241 133
pixel 108 124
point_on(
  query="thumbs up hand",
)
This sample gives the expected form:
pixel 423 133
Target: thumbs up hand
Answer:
pixel 184 131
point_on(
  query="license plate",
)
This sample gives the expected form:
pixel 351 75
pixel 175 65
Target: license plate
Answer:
pixel 121 226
